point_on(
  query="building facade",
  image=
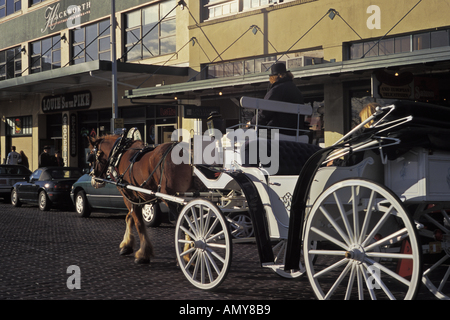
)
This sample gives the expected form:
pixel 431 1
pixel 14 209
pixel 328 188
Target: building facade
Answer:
pixel 179 60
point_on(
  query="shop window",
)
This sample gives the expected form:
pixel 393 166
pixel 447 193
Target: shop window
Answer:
pixel 8 7
pixel 19 126
pixel 92 43
pixel 421 41
pixel 439 39
pixel 46 54
pixel 400 44
pixel 151 31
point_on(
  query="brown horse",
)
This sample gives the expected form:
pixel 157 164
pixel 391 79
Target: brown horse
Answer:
pixel 154 170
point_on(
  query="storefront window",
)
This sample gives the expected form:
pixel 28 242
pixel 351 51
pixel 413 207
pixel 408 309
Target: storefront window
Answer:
pixel 19 126
pixel 401 44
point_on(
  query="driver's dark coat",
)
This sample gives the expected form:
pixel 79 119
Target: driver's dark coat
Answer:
pixel 283 90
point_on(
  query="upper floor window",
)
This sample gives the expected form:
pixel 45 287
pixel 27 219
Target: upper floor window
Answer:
pixel 148 34
pixel 8 7
pixel 217 8
pixel 33 2
pixel 46 54
pixel 92 43
pixel 400 44
pixel 10 63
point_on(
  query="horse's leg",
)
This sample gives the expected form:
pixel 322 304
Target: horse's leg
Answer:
pixel 145 251
pixel 128 241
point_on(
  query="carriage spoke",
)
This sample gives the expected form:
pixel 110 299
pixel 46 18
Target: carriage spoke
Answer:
pixel 436 265
pixel 391 239
pixel 188 233
pixel 329 238
pixel 378 226
pixel 351 280
pixel 437 224
pixel 394 275
pixel 370 207
pixel 366 279
pixel 389 255
pixel 338 281
pixel 355 202
pixel 335 225
pixel 211 260
pixel 330 268
pixel 343 215
pixel 380 283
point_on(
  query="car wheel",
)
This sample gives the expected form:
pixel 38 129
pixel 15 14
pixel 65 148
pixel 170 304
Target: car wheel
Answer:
pixel 152 215
pixel 44 201
pixel 15 199
pixel 82 206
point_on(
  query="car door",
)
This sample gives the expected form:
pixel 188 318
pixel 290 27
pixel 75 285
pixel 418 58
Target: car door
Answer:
pixel 28 190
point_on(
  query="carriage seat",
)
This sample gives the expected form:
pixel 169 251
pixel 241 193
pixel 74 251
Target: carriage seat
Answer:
pixel 292 155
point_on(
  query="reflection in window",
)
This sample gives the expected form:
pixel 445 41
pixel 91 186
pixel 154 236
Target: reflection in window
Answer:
pixel 92 43
pixel 145 37
pixel 46 54
pixel 400 44
pixel 10 63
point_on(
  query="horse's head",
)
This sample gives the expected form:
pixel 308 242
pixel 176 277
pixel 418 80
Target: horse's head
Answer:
pixel 101 149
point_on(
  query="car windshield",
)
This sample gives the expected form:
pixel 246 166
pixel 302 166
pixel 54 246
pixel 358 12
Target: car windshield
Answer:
pixel 66 173
pixel 12 170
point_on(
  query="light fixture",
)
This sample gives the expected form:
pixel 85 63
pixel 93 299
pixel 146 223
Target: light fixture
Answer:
pixel 63 37
pixel 332 13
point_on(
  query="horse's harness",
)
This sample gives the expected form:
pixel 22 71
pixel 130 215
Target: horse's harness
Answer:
pixel 122 145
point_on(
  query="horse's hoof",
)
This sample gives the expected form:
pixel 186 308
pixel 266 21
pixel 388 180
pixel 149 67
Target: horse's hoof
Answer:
pixel 126 251
pixel 141 261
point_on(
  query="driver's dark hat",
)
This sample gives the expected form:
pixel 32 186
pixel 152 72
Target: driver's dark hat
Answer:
pixel 278 68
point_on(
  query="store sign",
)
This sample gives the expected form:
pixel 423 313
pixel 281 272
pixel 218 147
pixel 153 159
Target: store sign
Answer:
pixel 65 14
pixel 73 135
pixel 395 92
pixel 198 112
pixel 66 102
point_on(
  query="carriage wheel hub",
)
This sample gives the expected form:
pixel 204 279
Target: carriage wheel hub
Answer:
pixel 200 244
pixel 356 253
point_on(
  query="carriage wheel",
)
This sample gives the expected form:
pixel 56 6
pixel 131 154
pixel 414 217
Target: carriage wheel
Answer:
pixel 437 273
pixel 368 245
pixel 203 244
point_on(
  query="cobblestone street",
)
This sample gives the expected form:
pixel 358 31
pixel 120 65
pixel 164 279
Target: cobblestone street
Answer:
pixel 37 248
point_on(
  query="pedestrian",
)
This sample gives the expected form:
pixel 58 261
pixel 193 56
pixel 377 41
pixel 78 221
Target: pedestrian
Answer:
pixel 24 159
pixel 13 156
pixel 45 159
pixel 282 88
pixel 59 162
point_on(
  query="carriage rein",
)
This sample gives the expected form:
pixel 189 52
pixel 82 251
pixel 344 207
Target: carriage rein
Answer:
pixel 120 147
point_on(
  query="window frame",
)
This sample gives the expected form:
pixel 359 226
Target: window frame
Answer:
pixel 102 35
pixel 12 60
pixel 54 50
pixel 134 43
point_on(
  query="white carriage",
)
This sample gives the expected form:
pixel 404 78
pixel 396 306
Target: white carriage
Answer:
pixel 365 218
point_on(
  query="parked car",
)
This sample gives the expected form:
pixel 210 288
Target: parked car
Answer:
pixel 9 175
pixel 46 187
pixel 86 199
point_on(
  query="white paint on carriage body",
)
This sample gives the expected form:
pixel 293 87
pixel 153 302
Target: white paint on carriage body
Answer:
pixel 229 150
